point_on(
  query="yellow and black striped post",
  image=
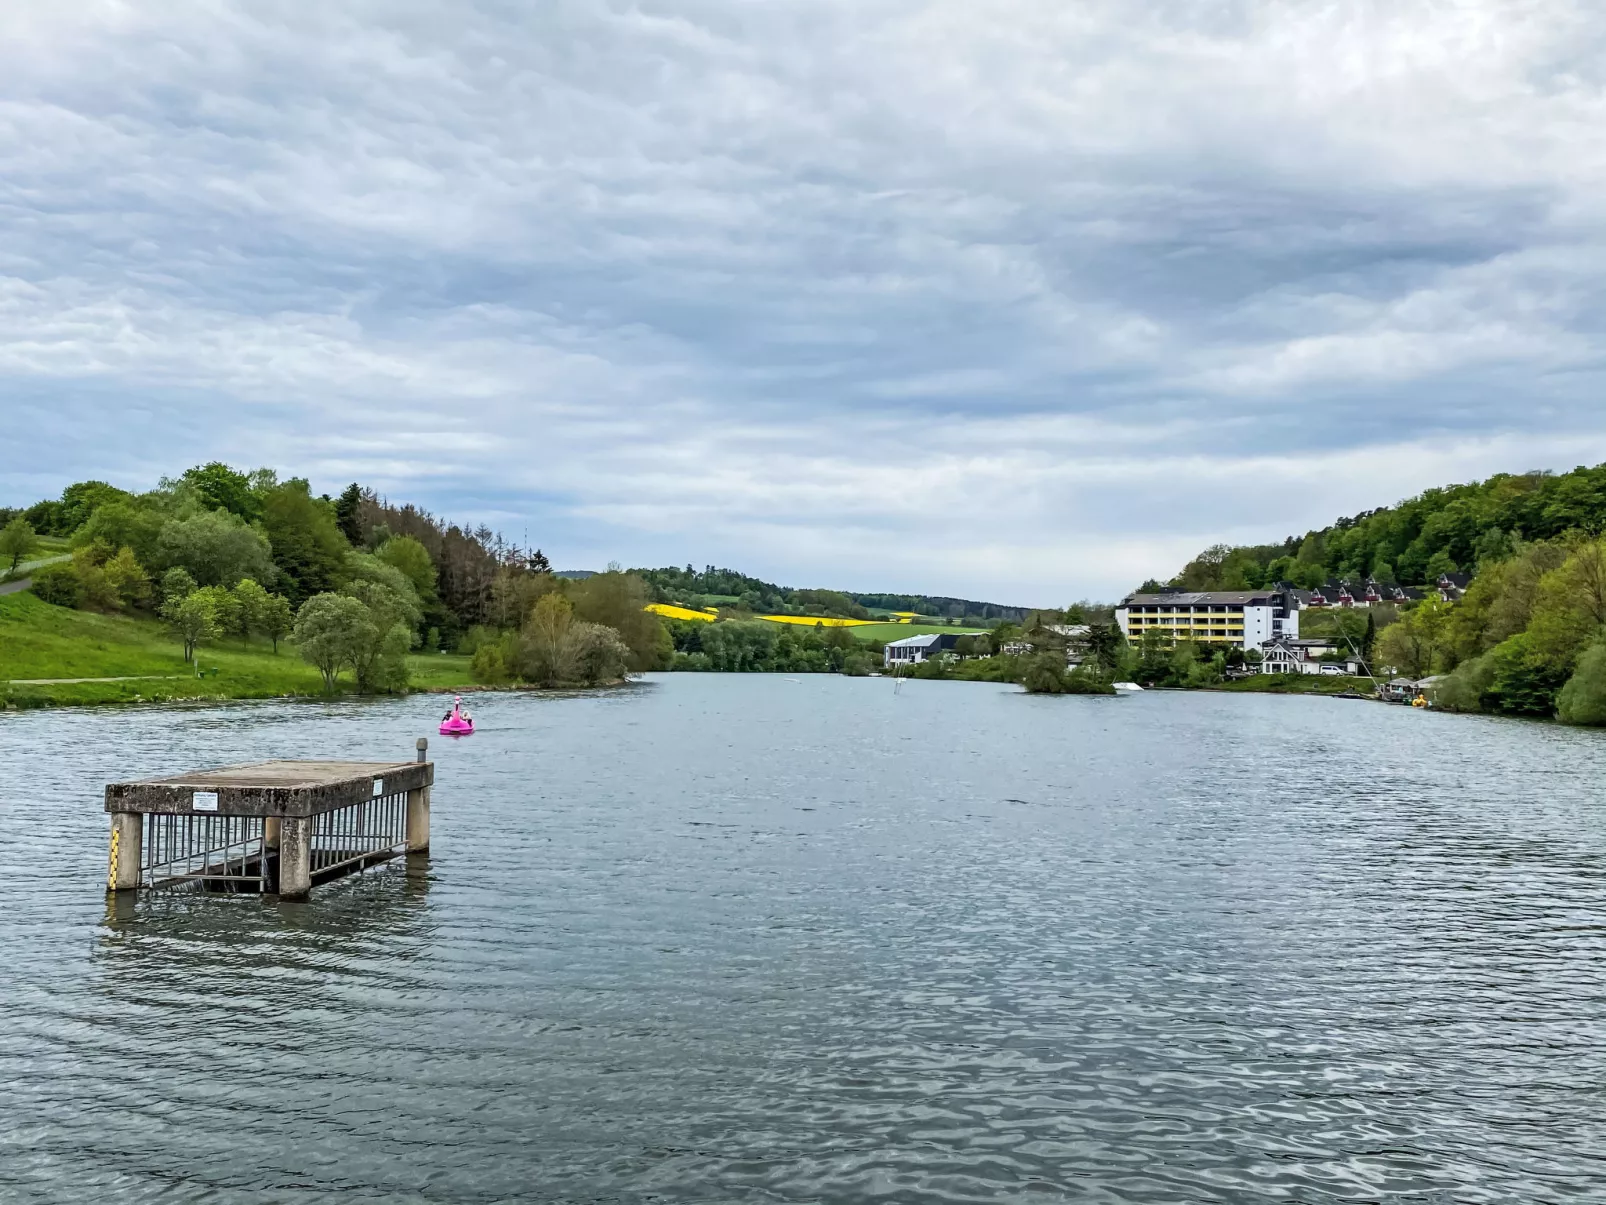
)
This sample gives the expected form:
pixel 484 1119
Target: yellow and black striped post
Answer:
pixel 123 864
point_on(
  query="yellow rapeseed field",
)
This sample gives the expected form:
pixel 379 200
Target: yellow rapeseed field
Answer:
pixel 670 611
pixel 812 620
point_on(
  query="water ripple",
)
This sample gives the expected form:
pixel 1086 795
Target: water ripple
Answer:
pixel 724 939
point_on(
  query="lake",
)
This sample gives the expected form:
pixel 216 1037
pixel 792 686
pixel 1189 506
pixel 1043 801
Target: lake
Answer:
pixel 748 938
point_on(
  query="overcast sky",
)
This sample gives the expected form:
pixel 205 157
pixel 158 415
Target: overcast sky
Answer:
pixel 1025 300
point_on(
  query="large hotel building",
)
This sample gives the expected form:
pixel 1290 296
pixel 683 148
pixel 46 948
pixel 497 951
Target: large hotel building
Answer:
pixel 1247 618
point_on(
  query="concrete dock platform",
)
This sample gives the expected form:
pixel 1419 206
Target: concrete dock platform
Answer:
pixel 274 827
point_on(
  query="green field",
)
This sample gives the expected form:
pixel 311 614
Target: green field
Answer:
pixel 897 631
pixel 41 641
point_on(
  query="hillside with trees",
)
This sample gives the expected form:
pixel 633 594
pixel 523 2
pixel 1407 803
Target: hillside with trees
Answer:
pixel 354 583
pixel 1454 528
pixel 1528 635
pixel 690 587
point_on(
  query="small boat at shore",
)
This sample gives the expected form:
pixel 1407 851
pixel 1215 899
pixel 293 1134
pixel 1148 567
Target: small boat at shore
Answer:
pixel 1129 687
pixel 457 722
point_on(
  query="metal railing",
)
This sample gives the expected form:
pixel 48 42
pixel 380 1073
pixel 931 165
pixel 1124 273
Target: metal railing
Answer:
pixel 229 853
pixel 211 853
pixel 358 834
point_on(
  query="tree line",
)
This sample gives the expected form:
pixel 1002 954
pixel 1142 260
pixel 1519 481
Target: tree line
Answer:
pixel 1528 635
pixel 759 646
pixel 545 630
pixel 356 582
pixel 690 587
pixel 1450 529
pixel 1527 638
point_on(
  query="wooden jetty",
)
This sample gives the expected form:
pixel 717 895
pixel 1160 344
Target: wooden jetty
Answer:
pixel 275 827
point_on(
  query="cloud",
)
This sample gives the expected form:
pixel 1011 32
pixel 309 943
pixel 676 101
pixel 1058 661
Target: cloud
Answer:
pixel 1021 300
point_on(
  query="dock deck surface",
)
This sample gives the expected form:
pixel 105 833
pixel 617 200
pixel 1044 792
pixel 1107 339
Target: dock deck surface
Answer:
pixel 271 788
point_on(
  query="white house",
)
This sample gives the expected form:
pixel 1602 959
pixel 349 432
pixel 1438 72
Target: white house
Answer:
pixel 912 650
pixel 1279 657
pixel 1284 656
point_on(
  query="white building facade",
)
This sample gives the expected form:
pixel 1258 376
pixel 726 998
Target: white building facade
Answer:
pixel 912 650
pixel 1245 618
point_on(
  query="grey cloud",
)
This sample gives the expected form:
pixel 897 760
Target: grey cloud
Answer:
pixel 789 284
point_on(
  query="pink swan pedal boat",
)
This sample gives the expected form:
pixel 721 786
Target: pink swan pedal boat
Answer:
pixel 457 722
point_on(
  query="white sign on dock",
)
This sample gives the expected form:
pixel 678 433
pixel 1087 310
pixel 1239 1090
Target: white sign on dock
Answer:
pixel 379 787
pixel 204 801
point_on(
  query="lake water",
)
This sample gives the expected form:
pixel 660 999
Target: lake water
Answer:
pixel 725 938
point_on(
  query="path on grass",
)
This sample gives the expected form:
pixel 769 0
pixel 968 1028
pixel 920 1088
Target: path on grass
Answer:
pixel 76 681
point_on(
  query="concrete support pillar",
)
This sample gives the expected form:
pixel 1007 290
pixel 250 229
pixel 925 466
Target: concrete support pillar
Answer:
pixel 418 809
pixel 418 820
pixel 295 858
pixel 122 871
pixel 270 852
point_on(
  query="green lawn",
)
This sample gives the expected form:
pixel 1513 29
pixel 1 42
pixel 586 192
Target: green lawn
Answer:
pixel 898 631
pixel 41 641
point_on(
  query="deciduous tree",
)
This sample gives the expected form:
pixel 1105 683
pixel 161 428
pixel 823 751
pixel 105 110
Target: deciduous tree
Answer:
pixel 544 647
pixel 17 540
pixel 1583 698
pixel 327 631
pixel 380 644
pixel 409 557
pixel 252 604
pixel 308 547
pixel 218 487
pixel 194 618
pixel 127 580
pixel 177 584
pixel 619 600
pixel 216 547
pixel 1415 645
pixel 275 620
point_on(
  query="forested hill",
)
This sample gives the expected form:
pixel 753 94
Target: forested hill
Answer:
pixel 221 526
pixel 691 587
pixel 1449 529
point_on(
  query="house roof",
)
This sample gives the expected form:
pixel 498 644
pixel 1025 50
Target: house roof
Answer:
pixel 915 642
pixel 941 640
pixel 1206 598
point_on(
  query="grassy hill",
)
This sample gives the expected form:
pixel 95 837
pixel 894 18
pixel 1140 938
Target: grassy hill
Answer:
pixel 39 641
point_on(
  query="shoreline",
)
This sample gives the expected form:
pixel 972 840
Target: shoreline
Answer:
pixel 11 702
